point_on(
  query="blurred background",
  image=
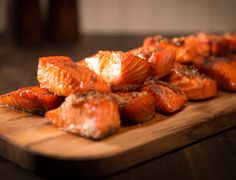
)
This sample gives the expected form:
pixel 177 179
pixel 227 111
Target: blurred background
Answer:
pixel 115 17
pixel 30 29
pixel 157 16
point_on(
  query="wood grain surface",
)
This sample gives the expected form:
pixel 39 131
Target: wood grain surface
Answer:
pixel 31 143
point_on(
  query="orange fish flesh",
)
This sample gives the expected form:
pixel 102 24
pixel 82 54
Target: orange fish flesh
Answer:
pixel 63 77
pixel 118 68
pixel 168 98
pixel 196 86
pixel 93 115
pixel 137 107
pixel 31 99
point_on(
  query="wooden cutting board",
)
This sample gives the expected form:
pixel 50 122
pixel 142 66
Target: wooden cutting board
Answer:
pixel 27 141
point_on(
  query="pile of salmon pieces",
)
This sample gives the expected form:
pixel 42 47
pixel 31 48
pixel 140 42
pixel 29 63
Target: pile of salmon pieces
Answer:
pixel 95 96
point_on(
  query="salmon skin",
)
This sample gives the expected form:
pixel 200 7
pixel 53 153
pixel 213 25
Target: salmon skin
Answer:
pixel 184 53
pixel 219 68
pixel 93 115
pixel 118 68
pixel 63 77
pixel 196 86
pixel 31 99
pixel 138 107
pixel 168 98
pixel 161 60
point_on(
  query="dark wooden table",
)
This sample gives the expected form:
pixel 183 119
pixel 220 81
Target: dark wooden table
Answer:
pixel 211 158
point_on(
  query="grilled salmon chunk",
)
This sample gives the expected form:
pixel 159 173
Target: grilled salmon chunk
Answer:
pixel 137 107
pixel 63 77
pixel 31 99
pixel 118 68
pixel 92 115
pixel 208 44
pixel 168 98
pixel 124 88
pixel 184 54
pixel 219 68
pixel 196 86
pixel 162 61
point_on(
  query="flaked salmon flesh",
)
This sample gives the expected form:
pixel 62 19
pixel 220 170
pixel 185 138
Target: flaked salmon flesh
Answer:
pixel 208 44
pixel 168 98
pixel 196 86
pixel 92 115
pixel 138 107
pixel 118 68
pixel 161 60
pixel 63 77
pixel 183 53
pixel 220 69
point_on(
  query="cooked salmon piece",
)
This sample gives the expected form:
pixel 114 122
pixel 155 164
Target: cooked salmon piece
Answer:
pixel 168 98
pixel 231 37
pixel 161 60
pixel 118 68
pixel 124 88
pixel 184 54
pixel 200 43
pixel 208 44
pixel 31 99
pixel 196 86
pixel 93 115
pixel 63 77
pixel 136 107
pixel 219 69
